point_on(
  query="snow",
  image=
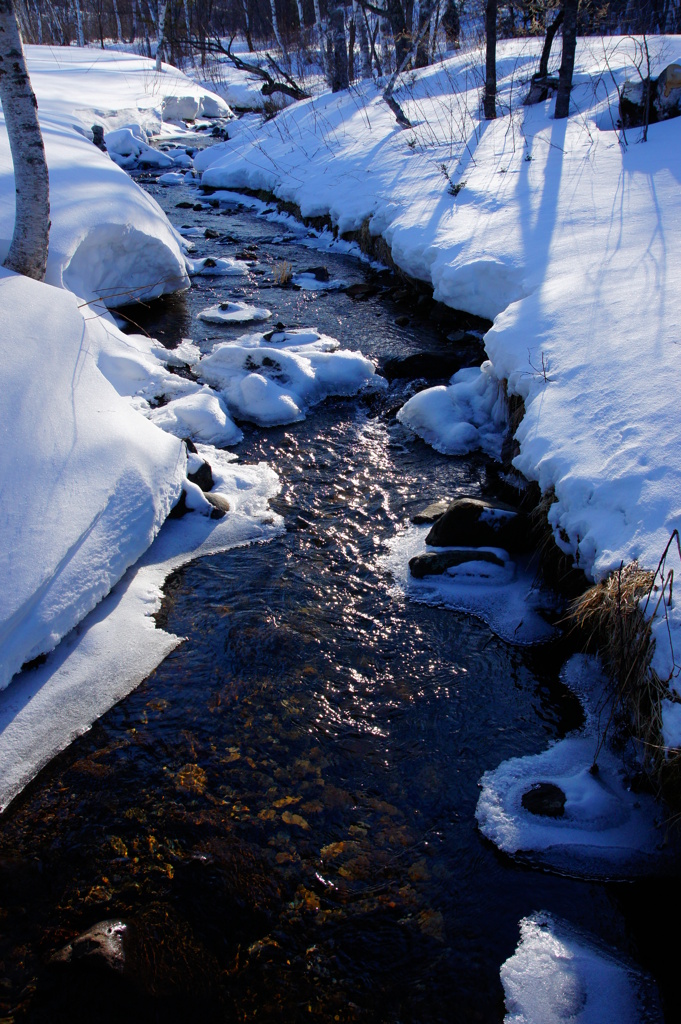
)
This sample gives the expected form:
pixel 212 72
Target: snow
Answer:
pixel 559 973
pixel 234 313
pixel 564 233
pixel 607 829
pixel 506 597
pixel 470 413
pixel 308 282
pixel 274 379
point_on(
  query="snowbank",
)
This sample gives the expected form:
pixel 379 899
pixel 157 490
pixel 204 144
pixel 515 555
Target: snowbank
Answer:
pixel 85 481
pixel 108 238
pixel 562 232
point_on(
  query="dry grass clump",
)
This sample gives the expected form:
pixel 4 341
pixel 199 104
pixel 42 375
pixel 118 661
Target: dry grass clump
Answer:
pixel 283 272
pixel 617 615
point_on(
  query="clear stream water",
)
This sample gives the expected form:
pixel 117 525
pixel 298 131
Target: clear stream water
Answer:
pixel 284 810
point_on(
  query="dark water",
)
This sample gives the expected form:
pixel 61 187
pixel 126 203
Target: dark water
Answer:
pixel 284 811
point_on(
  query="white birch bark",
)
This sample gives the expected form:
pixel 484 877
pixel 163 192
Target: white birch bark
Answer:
pixel 79 23
pixel 323 40
pixel 301 18
pixel 119 30
pixel 275 27
pixel 162 15
pixel 28 251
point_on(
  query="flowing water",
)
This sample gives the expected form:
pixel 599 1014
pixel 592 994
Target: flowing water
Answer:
pixel 284 810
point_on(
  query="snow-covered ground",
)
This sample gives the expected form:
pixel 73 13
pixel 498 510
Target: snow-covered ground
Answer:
pixel 565 233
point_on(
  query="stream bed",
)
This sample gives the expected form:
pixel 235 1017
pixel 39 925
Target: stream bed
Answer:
pixel 283 813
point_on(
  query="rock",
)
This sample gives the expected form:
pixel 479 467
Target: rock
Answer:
pixel 429 365
pixel 102 946
pixel 401 321
pixel 180 508
pixel 319 273
pixel 211 233
pixel 546 799
pixel 666 100
pixel 184 205
pixel 470 522
pixel 98 137
pixel 431 513
pixel 435 563
pixel 633 103
pixel 360 292
pixel 202 477
pixel 219 502
pixel 650 100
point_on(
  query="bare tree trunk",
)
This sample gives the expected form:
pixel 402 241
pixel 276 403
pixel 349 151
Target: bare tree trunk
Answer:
pixel 145 28
pixel 39 20
pixel 28 252
pixel 119 30
pixel 323 41
pixel 275 27
pixel 341 79
pixel 361 29
pixel 79 21
pixel 162 18
pixel 489 105
pixel 567 63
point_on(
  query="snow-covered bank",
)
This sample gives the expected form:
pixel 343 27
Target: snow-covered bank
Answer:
pixel 562 231
pixel 108 237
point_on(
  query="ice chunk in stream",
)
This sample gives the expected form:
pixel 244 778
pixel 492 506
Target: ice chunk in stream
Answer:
pixel 309 282
pixel 506 597
pixel 234 313
pixel 272 385
pixel 469 413
pixel 558 973
pixel 605 830
pixel 220 267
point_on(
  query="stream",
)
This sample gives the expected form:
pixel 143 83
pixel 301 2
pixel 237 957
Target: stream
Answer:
pixel 284 811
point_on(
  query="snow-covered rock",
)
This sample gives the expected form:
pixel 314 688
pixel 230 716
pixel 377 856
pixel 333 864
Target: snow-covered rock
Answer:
pixel 271 384
pixel 234 313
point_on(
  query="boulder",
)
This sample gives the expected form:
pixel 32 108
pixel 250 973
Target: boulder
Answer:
pixel 431 513
pixel 546 799
pixel 319 273
pixel 435 563
pixel 666 100
pixel 470 522
pixel 102 946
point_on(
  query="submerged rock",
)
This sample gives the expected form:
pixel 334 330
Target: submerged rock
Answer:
pixel 102 946
pixel 435 563
pixel 429 365
pixel 470 522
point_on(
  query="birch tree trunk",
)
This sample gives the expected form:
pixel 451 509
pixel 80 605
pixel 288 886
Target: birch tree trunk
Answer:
pixel 119 30
pixel 163 14
pixel 323 41
pixel 247 19
pixel 79 22
pixel 28 252
pixel 275 27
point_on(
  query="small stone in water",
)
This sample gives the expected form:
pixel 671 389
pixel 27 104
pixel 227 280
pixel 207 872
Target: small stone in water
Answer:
pixel 544 798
